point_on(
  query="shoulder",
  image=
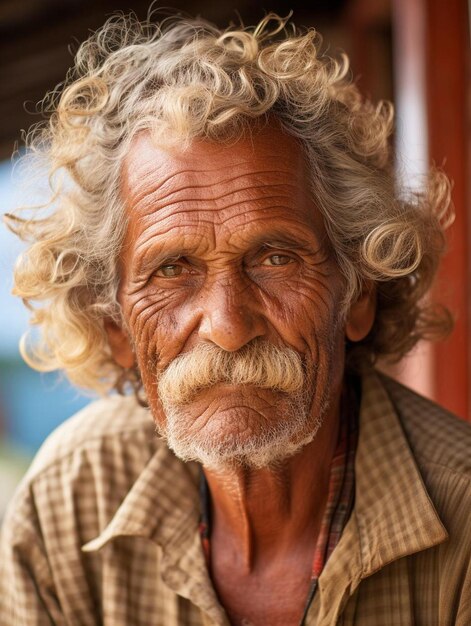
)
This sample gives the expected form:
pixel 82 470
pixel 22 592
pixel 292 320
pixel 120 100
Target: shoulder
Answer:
pixel 106 421
pixel 94 457
pixel 435 435
pixel 441 446
pixel 83 473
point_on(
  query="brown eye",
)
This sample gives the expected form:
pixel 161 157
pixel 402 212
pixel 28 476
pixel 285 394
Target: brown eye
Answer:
pixel 169 271
pixel 276 260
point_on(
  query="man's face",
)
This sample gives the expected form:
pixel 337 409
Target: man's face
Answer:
pixel 226 256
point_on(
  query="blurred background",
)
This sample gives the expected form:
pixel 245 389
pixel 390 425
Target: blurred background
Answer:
pixel 413 52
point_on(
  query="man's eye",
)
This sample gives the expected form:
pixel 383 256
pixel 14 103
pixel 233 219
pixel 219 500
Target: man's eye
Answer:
pixel 277 260
pixel 169 271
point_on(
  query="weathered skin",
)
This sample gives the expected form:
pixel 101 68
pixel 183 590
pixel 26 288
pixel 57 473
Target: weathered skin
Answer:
pixel 224 245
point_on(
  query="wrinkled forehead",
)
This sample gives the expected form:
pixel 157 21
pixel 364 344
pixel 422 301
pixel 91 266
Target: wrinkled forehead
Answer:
pixel 266 169
pixel 263 146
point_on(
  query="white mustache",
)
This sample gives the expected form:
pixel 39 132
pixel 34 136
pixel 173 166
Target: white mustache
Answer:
pixel 259 363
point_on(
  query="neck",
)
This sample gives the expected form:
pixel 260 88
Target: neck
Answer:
pixel 257 512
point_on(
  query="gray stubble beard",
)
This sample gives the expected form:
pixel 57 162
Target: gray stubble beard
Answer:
pixel 288 436
pixel 281 371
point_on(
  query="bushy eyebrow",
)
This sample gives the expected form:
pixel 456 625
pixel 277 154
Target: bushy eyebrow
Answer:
pixel 285 241
pixel 309 243
pixel 164 250
pixel 155 256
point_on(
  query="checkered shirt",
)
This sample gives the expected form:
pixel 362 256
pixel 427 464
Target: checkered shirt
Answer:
pixel 103 529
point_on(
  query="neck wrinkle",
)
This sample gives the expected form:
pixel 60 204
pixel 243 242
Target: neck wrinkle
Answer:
pixel 270 511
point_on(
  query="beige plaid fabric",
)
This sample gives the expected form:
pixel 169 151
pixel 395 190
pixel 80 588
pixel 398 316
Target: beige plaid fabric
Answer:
pixel 103 529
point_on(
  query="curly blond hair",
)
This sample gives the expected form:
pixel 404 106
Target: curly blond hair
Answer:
pixel 195 80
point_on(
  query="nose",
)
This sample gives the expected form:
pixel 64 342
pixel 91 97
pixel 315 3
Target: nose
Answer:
pixel 231 318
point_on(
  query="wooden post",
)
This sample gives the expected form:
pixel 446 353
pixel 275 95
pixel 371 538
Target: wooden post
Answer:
pixel 448 99
pixel 431 41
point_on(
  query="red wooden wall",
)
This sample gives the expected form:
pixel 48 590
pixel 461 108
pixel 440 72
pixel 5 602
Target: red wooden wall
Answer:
pixel 447 79
pixel 430 64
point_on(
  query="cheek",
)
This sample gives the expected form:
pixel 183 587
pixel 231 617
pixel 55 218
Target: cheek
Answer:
pixel 144 316
pixel 152 328
pixel 156 321
pixel 312 324
pixel 305 311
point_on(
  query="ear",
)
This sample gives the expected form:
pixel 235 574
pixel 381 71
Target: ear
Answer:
pixel 120 344
pixel 362 313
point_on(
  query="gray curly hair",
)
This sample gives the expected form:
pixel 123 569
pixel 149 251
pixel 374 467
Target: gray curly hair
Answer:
pixel 195 80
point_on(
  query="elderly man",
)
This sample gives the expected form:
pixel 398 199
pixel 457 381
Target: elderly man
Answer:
pixel 229 243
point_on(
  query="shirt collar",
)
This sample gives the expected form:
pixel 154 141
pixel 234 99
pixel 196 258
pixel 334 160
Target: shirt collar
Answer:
pixel 393 515
pixel 393 510
pixel 156 507
pixel 163 507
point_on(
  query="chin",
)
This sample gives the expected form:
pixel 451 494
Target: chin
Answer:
pixel 251 455
pixel 243 436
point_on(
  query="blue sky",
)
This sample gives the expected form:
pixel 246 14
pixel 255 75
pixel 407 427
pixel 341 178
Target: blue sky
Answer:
pixel 31 404
pixel 13 316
